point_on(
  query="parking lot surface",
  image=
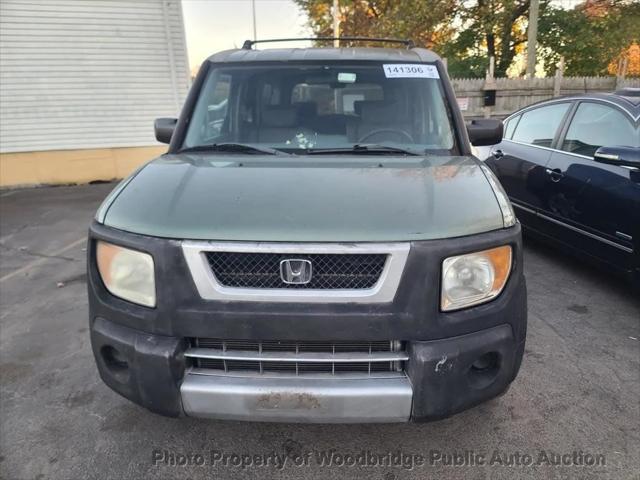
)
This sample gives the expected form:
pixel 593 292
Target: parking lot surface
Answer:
pixel 574 402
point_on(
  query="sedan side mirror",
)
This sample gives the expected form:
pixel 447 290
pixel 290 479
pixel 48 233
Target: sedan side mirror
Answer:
pixel 623 156
pixel 485 132
pixel 163 128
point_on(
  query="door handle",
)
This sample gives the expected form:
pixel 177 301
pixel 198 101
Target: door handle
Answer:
pixel 555 174
pixel 498 154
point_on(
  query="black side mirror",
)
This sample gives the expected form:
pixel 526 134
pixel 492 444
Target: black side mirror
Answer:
pixel 623 156
pixel 484 132
pixel 163 128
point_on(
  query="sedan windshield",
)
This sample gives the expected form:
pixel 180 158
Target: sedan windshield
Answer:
pixel 304 108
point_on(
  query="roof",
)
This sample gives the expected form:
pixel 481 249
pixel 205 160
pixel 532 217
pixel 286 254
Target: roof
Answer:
pixel 625 99
pixel 629 94
pixel 418 55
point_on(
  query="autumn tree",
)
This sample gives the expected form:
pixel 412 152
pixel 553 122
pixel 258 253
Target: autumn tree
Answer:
pixel 427 23
pixel 631 58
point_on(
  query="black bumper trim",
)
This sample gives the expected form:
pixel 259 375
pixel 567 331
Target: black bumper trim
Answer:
pixel 444 379
pixel 149 367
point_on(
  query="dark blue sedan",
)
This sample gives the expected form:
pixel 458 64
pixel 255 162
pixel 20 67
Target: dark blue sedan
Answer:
pixel 571 167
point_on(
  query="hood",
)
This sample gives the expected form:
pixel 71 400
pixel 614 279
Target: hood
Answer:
pixel 304 199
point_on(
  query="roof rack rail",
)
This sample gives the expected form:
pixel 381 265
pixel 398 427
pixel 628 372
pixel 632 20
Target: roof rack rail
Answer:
pixel 248 44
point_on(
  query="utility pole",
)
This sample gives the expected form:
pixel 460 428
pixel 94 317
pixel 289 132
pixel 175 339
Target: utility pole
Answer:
pixel 532 37
pixel 336 23
pixel 253 10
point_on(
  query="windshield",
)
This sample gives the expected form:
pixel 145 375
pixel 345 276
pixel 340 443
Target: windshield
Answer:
pixel 304 107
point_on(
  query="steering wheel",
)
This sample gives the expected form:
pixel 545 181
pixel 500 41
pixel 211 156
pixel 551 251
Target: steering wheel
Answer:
pixel 402 133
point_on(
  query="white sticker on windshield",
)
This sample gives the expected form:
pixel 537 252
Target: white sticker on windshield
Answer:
pixel 410 70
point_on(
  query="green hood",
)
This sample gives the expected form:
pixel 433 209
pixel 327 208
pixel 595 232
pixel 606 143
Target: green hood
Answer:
pixel 304 199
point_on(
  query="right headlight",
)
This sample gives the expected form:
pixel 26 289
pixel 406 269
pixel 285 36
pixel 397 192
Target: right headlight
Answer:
pixel 474 278
pixel 128 274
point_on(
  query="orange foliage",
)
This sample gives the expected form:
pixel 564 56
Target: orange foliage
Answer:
pixel 596 8
pixel 632 56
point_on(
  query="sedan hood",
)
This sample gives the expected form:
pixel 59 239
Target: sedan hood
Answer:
pixel 304 199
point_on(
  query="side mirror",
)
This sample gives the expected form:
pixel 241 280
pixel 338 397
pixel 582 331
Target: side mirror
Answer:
pixel 163 128
pixel 623 156
pixel 485 132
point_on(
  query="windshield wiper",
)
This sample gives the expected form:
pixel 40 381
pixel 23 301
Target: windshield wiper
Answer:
pixel 365 148
pixel 233 148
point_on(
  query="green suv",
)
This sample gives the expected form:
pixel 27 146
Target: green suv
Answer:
pixel 317 245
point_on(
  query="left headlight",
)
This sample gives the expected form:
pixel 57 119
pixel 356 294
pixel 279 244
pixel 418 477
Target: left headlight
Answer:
pixel 127 273
pixel 474 278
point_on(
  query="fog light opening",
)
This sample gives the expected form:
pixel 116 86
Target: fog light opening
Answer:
pixel 485 362
pixel 484 370
pixel 115 362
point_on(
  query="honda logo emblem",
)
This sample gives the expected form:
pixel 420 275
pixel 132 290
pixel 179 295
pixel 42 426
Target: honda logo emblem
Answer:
pixel 295 271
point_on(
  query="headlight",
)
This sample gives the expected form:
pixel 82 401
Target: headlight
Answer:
pixel 508 216
pixel 127 274
pixel 474 278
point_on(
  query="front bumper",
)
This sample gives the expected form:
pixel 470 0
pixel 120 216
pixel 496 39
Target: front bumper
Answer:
pixel 140 351
pixel 440 380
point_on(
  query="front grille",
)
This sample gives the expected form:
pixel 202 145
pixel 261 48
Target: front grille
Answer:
pixel 294 346
pixel 216 356
pixel 329 271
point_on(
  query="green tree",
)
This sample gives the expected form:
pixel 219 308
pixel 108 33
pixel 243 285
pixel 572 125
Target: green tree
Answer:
pixel 589 36
pixel 488 28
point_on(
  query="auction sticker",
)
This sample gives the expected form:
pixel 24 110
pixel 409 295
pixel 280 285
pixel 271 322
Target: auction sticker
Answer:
pixel 410 70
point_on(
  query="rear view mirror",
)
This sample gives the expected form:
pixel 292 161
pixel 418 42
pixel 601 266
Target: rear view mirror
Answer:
pixel 623 156
pixel 163 128
pixel 485 132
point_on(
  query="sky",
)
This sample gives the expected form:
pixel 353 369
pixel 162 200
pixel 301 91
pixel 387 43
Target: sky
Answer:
pixel 215 25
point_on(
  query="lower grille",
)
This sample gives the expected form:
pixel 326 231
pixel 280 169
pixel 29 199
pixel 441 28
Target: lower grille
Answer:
pixel 293 358
pixel 294 346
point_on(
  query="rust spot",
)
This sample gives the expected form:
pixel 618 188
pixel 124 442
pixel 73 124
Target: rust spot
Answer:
pixel 288 400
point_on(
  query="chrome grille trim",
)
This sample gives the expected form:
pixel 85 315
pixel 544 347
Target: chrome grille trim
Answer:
pixel 298 357
pixel 210 288
pixel 274 374
pixel 382 359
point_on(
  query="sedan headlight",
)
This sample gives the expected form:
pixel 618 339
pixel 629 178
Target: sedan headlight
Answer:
pixel 474 278
pixel 127 273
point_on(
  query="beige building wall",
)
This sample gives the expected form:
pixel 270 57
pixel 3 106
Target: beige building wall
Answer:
pixel 72 166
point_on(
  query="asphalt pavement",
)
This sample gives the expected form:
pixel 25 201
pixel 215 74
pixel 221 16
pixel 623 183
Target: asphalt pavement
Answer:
pixel 573 411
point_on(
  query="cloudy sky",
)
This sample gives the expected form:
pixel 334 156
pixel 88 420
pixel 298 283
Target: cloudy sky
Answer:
pixel 214 25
